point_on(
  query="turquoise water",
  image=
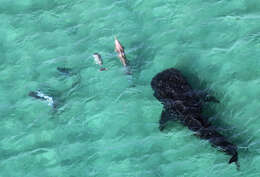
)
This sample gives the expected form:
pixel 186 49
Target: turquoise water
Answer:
pixel 106 123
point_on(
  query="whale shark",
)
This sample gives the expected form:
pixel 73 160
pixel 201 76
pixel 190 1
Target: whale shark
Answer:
pixel 183 104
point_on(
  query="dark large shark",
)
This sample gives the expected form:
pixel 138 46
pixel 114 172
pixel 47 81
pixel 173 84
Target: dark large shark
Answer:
pixel 182 103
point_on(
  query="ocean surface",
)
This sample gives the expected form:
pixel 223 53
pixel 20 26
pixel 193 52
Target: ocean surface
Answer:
pixel 105 123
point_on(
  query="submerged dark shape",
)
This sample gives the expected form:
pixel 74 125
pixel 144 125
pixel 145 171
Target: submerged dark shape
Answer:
pixel 184 104
pixel 64 70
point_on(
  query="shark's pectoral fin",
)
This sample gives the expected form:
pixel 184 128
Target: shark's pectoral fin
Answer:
pixel 204 95
pixel 165 117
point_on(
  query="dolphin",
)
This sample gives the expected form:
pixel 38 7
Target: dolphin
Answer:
pixel 98 59
pixel 120 51
pixel 64 70
pixel 39 95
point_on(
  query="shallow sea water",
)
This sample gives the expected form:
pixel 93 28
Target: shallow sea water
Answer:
pixel 106 123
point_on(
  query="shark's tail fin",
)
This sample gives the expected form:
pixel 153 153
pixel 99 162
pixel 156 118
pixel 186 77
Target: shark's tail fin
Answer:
pixel 234 158
pixel 218 140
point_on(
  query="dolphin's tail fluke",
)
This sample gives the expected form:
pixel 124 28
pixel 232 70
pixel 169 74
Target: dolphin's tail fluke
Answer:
pixel 102 69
